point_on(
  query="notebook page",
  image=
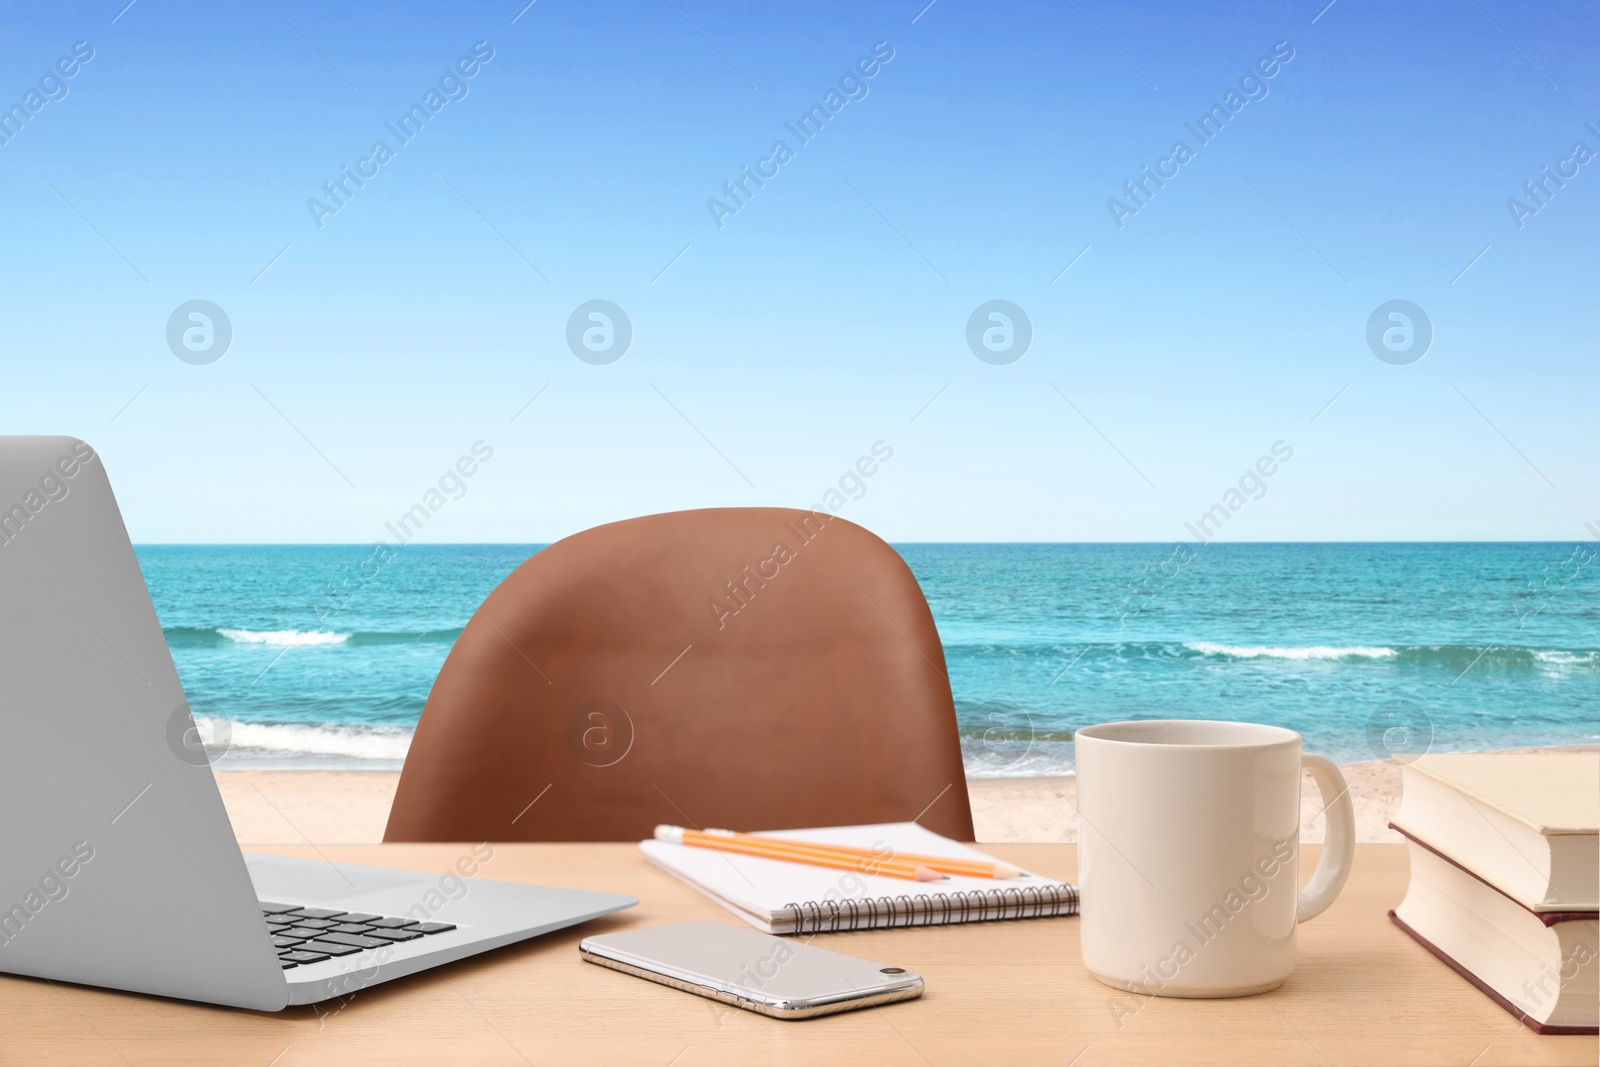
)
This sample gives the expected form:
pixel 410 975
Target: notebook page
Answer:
pixel 763 887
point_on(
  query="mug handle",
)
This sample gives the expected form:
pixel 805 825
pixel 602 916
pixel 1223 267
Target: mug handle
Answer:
pixel 1339 843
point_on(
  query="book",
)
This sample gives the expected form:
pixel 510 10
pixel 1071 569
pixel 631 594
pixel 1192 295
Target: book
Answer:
pixel 1529 823
pixel 781 897
pixel 1542 967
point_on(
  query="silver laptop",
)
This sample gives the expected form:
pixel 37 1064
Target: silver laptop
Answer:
pixel 118 866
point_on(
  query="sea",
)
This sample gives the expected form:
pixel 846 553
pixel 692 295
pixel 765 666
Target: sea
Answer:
pixel 309 656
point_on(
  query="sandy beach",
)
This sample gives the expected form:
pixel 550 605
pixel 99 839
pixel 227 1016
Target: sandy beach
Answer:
pixel 339 807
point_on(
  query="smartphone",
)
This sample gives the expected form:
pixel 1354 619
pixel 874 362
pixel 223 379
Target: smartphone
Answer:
pixel 776 976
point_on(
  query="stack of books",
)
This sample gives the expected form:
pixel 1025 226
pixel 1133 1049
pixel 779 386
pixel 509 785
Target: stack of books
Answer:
pixel 1505 879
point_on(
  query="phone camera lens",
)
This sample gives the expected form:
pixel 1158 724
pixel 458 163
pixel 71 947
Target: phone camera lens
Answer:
pixel 891 970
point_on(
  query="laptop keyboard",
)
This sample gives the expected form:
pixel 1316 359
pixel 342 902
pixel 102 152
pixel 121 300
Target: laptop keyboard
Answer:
pixel 311 935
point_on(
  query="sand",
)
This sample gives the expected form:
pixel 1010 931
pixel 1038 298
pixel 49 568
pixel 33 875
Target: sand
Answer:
pixel 351 807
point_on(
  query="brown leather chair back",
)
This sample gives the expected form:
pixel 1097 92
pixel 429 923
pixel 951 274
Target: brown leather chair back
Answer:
pixel 744 668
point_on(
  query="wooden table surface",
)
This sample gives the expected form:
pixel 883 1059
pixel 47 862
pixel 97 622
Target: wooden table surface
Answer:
pixel 998 993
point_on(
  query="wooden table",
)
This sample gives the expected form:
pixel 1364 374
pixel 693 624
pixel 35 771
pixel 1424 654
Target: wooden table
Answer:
pixel 998 993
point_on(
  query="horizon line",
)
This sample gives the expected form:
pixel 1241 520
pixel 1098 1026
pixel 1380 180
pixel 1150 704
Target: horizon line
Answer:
pixel 891 541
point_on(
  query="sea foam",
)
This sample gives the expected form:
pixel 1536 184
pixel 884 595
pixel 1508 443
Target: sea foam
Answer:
pixel 1207 648
pixel 285 637
pixel 249 739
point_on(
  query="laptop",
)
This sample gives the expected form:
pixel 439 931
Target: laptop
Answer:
pixel 118 865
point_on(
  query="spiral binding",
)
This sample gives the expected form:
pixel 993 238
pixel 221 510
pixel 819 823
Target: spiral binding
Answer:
pixel 935 909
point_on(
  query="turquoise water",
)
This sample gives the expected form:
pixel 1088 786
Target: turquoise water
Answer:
pixel 313 655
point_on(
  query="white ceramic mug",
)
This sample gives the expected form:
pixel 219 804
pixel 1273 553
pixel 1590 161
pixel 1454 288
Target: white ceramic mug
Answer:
pixel 1188 854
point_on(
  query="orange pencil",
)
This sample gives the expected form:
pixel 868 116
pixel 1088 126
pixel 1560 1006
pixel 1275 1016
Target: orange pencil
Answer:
pixel 943 864
pixel 748 845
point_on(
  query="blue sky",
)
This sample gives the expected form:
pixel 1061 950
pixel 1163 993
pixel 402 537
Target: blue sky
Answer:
pixel 822 317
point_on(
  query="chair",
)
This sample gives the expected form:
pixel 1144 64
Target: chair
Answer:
pixel 746 668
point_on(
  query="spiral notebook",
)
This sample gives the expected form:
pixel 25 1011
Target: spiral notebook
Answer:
pixel 795 898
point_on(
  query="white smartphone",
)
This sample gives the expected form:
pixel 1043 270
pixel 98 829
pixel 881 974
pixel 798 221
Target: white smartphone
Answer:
pixel 776 976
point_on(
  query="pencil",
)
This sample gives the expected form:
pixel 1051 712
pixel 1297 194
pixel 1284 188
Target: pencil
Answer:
pixel 748 845
pixel 943 864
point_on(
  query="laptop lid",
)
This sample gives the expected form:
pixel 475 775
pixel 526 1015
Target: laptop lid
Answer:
pixel 118 866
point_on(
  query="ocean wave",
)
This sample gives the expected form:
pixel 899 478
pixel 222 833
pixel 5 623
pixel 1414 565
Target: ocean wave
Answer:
pixel 221 637
pixel 1562 658
pixel 285 637
pixel 291 740
pixel 1058 656
pixel 1022 730
pixel 1452 657
pixel 1208 648
pixel 1016 759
